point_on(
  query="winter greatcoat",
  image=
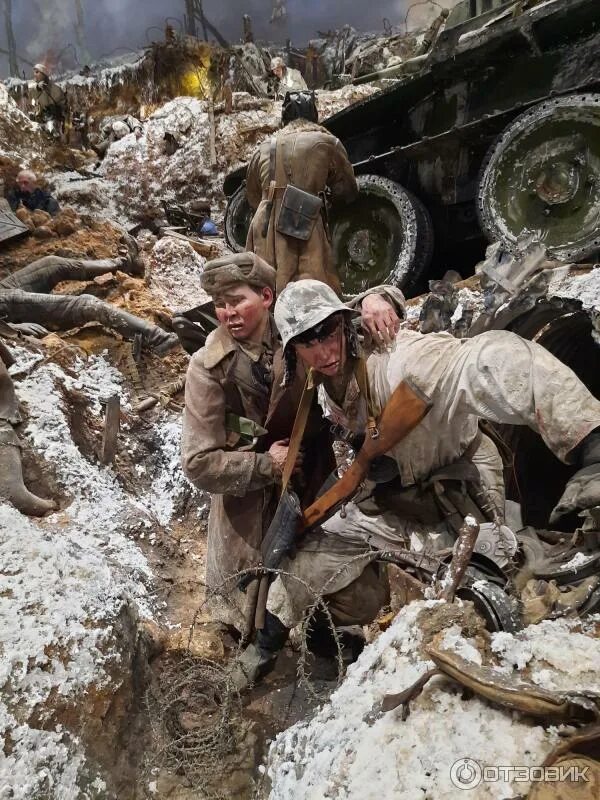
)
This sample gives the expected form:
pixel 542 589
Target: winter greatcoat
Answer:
pixel 313 160
pixel 225 377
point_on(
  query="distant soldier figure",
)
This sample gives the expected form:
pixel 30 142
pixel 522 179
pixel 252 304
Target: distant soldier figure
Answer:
pixel 289 80
pixel 287 179
pixel 279 13
pixel 50 101
pixel 115 128
pixel 28 194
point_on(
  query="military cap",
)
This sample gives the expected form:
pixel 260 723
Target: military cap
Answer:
pixel 222 273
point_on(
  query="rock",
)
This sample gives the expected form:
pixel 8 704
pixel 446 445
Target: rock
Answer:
pixel 105 280
pixel 204 642
pixel 64 227
pixel 168 785
pixel 154 636
pixel 40 218
pixel 25 217
pixel 43 232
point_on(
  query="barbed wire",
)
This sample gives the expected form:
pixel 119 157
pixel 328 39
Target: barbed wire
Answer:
pixel 195 709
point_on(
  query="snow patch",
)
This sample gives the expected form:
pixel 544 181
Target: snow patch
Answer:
pixel 585 288
pixel 174 271
pixel 557 656
pixel 170 488
pixel 348 752
pixel 455 641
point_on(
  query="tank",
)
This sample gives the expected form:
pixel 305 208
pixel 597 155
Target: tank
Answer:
pixel 493 134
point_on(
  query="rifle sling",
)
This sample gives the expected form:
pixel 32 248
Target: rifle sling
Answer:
pixel 362 378
pixel 272 184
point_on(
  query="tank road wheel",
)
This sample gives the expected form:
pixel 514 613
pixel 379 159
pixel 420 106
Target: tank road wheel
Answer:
pixel 385 236
pixel 542 177
pixel 238 216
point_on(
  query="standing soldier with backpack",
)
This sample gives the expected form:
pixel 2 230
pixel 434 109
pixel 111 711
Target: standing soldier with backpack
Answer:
pixel 288 178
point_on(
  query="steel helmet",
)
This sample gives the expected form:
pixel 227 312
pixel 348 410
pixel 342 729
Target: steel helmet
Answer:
pixel 302 305
pixel 120 129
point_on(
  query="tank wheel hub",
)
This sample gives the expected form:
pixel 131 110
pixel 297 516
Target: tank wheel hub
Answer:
pixel 360 248
pixel 557 183
pixel 541 178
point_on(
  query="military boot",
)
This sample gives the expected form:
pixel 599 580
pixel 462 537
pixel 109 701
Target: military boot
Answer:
pixel 260 657
pixel 12 487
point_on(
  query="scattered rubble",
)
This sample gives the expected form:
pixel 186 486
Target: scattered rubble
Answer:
pixel 138 176
pixel 174 274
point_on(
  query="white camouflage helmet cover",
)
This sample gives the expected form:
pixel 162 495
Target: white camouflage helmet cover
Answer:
pixel 120 129
pixel 302 305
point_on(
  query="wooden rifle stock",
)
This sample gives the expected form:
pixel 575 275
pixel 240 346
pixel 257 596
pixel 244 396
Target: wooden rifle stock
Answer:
pixel 403 412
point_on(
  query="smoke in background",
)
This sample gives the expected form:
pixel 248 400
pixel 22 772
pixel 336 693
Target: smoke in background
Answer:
pixel 46 28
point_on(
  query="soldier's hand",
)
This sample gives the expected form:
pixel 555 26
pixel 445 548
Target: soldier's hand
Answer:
pixel 581 492
pixel 278 452
pixel 379 318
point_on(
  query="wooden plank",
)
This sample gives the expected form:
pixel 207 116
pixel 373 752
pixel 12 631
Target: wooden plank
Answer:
pixel 11 226
pixel 112 422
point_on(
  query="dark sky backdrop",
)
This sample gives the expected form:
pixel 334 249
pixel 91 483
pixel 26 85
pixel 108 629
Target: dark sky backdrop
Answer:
pixel 42 25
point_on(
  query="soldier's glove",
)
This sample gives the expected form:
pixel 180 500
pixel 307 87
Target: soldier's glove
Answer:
pixel 583 490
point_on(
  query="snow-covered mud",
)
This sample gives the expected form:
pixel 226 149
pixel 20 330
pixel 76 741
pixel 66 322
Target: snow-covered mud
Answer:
pixel 75 583
pixel 138 176
pixel 348 751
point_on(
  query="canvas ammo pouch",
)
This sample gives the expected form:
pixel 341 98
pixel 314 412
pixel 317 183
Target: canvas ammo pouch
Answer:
pixel 298 213
pixel 299 210
pixel 242 433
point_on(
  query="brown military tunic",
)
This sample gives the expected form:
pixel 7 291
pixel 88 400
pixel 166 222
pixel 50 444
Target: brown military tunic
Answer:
pixel 314 161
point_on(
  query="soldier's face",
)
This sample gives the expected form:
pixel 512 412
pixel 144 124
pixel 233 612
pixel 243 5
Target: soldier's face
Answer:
pixel 243 311
pixel 278 72
pixel 327 354
pixel 25 183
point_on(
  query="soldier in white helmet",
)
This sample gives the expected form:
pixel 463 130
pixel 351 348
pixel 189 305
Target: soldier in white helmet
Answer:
pixel 444 469
pixel 288 79
pixel 50 101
